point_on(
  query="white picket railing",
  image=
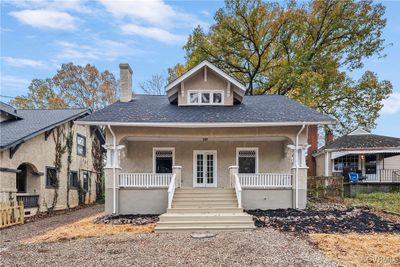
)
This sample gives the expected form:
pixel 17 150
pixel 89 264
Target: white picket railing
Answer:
pixel 145 180
pixel 238 191
pixel 265 180
pixel 171 190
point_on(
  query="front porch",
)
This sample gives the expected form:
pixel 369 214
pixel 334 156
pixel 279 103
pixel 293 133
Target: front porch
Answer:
pixel 261 169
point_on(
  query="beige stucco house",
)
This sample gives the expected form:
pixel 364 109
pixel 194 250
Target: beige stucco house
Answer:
pixel 204 148
pixel 27 155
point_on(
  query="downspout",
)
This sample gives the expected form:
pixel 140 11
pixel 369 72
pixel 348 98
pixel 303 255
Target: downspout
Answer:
pixel 297 167
pixel 113 167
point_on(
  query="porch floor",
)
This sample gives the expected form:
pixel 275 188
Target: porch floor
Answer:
pixel 204 210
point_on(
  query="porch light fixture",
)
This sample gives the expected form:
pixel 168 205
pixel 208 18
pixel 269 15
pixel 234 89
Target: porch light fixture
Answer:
pixel 362 157
pixel 205 139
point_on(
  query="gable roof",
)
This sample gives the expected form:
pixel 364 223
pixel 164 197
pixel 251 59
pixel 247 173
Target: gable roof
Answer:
pixel 10 110
pixel 361 140
pixel 198 67
pixel 146 110
pixel 34 122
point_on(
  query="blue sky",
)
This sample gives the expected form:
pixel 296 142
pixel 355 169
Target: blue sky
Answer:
pixel 38 36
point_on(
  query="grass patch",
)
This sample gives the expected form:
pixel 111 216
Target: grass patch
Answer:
pixel 88 228
pixel 381 201
pixel 360 249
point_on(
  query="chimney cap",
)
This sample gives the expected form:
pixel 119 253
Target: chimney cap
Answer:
pixel 125 66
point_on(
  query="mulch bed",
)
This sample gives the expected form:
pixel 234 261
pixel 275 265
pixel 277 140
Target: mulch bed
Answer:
pixel 128 219
pixel 349 220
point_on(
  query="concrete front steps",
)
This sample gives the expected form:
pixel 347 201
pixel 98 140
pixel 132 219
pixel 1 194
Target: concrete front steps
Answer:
pixel 204 210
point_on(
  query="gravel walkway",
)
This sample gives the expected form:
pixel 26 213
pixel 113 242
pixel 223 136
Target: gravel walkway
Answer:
pixel 11 235
pixel 258 247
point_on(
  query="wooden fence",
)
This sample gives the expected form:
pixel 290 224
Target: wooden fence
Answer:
pixel 11 214
pixel 331 186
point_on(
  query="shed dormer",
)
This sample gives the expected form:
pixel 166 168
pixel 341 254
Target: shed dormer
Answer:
pixel 205 84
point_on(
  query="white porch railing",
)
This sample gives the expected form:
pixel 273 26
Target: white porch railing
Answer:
pixel 145 180
pixel 171 190
pixel 238 190
pixel 265 180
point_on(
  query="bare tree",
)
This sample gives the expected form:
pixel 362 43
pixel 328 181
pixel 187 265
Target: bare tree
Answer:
pixel 155 85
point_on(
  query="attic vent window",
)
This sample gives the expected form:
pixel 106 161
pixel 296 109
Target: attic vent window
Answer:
pixel 199 97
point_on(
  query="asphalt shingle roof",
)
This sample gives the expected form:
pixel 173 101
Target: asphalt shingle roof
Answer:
pixel 9 109
pixel 33 122
pixel 363 141
pixel 157 109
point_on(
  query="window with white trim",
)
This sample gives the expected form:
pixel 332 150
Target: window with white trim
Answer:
pixel 163 160
pixel 346 162
pixel 247 160
pixel 211 97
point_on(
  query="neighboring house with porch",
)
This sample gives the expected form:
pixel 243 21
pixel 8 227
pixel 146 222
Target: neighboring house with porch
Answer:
pixel 204 150
pixel 375 157
pixel 27 155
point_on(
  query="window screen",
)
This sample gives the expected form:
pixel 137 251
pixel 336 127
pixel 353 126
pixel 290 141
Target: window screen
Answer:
pixel 163 161
pixel 247 161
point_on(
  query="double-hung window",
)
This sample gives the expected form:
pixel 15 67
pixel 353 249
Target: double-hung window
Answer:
pixel 51 177
pixel 86 181
pixel 346 162
pixel 163 160
pixel 81 145
pixel 198 97
pixel 73 179
pixel 247 160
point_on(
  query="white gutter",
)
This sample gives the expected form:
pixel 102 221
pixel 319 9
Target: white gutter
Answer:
pixel 237 124
pixel 114 174
pixel 297 168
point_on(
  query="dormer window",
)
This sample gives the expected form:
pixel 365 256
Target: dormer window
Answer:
pixel 201 97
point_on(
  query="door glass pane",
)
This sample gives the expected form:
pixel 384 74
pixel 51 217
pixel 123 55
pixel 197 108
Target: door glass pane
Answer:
pixel 199 169
pixel 247 161
pixel 164 159
pixel 210 168
pixel 205 98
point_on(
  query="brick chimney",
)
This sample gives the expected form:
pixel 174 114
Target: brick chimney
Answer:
pixel 328 137
pixel 125 73
pixel 312 140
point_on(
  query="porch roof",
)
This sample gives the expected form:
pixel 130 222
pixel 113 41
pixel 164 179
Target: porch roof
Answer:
pixel 264 109
pixel 363 143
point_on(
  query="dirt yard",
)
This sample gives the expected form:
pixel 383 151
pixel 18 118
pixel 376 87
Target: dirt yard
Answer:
pixel 63 241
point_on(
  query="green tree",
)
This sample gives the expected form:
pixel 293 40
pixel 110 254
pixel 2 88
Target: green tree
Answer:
pixel 302 50
pixel 73 86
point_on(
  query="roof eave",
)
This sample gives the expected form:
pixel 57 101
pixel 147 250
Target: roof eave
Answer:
pixel 29 136
pixel 203 124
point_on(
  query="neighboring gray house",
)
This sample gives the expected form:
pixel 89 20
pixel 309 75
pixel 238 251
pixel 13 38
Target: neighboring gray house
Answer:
pixel 204 151
pixel 27 155
pixel 376 157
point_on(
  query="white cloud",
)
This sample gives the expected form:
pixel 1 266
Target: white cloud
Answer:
pixel 10 85
pixel 392 104
pixel 71 5
pixel 79 53
pixel 45 19
pixel 23 62
pixel 153 33
pixel 152 11
pixel 205 13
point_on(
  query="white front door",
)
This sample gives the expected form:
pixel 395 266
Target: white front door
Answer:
pixel 204 168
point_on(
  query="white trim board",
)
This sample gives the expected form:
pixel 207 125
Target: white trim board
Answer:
pixel 205 63
pixel 204 124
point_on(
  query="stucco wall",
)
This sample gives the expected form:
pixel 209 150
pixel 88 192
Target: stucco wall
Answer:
pixel 39 153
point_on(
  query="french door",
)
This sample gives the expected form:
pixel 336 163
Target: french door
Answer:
pixel 204 168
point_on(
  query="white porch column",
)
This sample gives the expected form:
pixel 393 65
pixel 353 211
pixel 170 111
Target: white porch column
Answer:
pixel 232 171
pixel 178 171
pixel 326 164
